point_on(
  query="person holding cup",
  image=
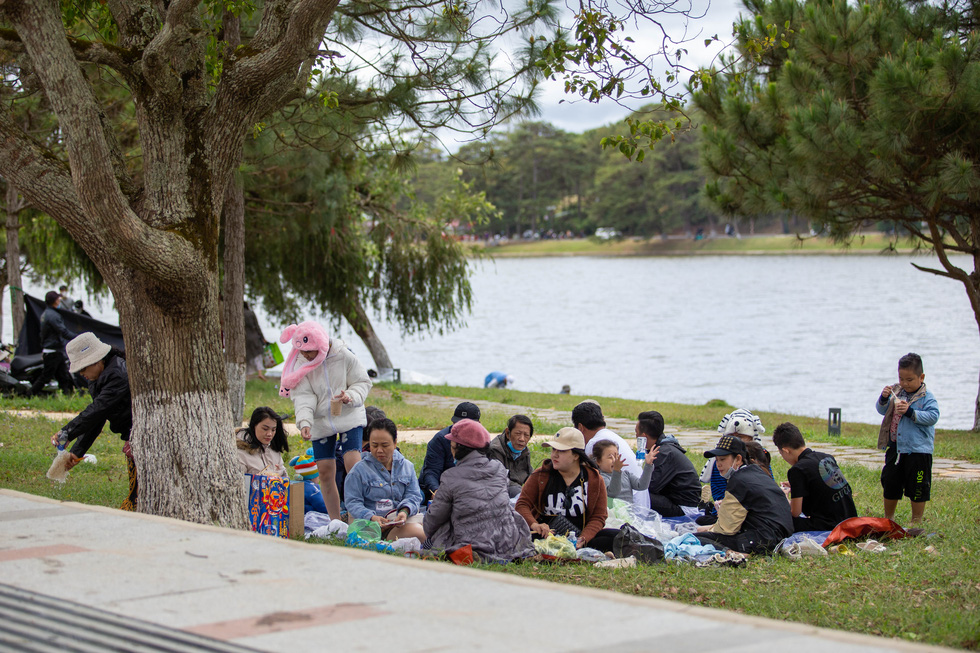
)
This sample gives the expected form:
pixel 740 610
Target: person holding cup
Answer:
pixel 383 488
pixel 328 386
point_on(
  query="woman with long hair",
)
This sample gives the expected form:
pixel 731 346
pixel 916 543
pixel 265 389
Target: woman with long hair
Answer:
pixel 566 495
pixel 262 443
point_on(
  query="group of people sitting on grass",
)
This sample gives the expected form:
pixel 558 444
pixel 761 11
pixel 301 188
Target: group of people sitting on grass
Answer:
pixel 469 478
pixel 468 492
pixel 463 494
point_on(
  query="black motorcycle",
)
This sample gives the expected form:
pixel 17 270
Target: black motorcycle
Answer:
pixel 18 373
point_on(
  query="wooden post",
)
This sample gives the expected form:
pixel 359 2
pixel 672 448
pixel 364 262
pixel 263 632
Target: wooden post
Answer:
pixel 297 509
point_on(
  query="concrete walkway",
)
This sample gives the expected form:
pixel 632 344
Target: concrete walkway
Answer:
pixel 696 439
pixel 269 594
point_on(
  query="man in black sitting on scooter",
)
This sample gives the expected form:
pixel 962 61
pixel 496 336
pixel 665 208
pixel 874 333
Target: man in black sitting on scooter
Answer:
pixel 54 336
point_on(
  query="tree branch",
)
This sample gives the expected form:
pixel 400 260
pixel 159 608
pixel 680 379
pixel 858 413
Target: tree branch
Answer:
pixel 938 273
pixel 43 180
pixel 103 54
pixel 254 80
pixel 159 55
pixel 109 226
pixel 300 37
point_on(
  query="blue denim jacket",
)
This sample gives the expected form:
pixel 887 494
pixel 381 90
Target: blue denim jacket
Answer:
pixel 916 435
pixel 369 483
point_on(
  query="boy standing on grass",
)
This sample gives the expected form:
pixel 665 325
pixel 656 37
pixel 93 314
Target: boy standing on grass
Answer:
pixel 908 433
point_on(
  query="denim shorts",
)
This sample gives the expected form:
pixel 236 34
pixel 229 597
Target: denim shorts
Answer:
pixel 349 441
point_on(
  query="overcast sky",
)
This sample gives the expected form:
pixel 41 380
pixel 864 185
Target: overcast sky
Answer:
pixel 578 116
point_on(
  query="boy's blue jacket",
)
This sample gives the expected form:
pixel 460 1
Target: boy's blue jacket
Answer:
pixel 916 434
pixel 368 482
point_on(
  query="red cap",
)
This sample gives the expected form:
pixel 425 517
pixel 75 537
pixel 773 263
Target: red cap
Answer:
pixel 469 433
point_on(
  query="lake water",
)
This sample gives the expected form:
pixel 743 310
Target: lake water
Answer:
pixel 792 333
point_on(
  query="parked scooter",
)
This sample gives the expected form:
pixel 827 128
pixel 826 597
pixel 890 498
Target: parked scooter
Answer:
pixel 18 373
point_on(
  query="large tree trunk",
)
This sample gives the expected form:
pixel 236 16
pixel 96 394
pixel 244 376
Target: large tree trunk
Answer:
pixel 182 423
pixel 155 240
pixel 234 295
pixel 361 324
pixel 14 206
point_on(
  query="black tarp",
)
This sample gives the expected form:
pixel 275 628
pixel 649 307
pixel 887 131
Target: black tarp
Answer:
pixel 29 341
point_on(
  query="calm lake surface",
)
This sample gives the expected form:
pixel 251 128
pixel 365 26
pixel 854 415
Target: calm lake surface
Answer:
pixel 798 334
pixel 792 333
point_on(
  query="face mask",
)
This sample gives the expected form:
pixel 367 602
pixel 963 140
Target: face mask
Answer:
pixel 514 452
pixel 727 474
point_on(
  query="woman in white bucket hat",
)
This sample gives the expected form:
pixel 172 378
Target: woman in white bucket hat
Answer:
pixel 104 368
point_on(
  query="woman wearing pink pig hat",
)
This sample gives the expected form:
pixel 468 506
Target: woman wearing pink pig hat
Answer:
pixel 472 505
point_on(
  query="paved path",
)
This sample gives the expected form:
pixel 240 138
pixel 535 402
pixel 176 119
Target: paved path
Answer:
pixel 696 439
pixel 269 594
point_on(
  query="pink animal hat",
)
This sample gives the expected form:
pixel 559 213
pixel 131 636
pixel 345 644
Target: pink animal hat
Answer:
pixel 305 336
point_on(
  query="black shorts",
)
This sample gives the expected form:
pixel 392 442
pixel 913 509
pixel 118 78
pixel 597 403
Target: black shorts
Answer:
pixel 911 477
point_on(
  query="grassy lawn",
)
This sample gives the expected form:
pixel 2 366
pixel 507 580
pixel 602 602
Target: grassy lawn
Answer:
pixel 776 244
pixel 961 445
pixel 905 592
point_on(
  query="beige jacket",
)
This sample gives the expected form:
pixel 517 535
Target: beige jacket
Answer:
pixel 259 460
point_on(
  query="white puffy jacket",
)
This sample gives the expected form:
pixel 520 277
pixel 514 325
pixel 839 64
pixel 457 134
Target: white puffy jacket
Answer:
pixel 311 397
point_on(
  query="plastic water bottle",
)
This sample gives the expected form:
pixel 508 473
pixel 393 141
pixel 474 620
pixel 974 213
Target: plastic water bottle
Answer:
pixel 641 448
pixel 572 538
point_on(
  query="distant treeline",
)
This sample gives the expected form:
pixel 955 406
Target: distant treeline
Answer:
pixel 547 181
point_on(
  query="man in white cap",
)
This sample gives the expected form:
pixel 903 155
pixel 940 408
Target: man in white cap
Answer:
pixel 105 370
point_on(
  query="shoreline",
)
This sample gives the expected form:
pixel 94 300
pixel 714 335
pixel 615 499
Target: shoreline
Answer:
pixel 682 254
pixel 761 245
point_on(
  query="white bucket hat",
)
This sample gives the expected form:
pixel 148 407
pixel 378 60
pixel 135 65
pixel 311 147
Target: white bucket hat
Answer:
pixel 85 350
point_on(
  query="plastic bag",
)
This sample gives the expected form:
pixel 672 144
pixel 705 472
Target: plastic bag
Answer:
pixel 314 520
pixel 805 546
pixel 590 555
pixel 365 529
pixel 855 527
pixel 268 505
pixel 407 545
pixel 617 563
pixel 871 546
pixel 642 519
pixel 320 525
pixel 631 542
pixel 462 556
pixel 366 534
pixel 326 532
pixel 558 546
pixel 271 355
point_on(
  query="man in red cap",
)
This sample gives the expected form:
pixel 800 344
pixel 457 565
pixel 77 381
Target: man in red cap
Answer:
pixel 472 506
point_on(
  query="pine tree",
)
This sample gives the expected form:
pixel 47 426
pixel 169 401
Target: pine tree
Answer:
pixel 859 114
